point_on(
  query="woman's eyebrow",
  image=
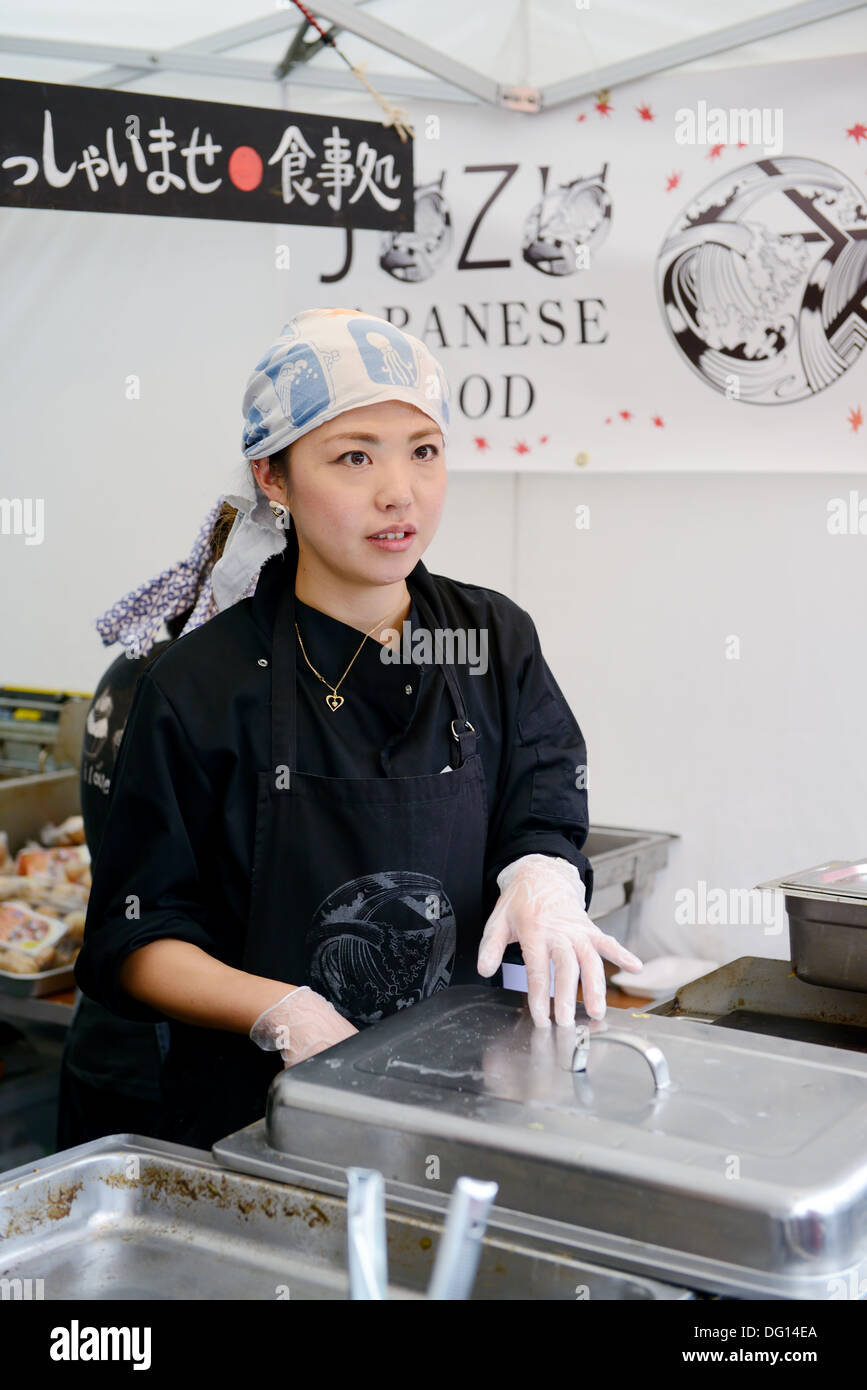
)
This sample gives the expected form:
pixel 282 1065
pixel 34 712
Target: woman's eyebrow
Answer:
pixel 375 439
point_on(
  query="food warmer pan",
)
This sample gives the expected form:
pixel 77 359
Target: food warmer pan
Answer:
pixel 137 1219
pixel 827 910
pixel 718 1160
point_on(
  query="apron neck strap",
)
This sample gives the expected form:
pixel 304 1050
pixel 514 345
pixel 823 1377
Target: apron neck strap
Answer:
pixel 462 730
pixel 283 701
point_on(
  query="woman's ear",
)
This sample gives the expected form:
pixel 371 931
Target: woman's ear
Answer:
pixel 268 480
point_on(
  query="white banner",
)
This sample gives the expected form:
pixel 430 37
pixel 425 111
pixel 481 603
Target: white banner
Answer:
pixel 674 279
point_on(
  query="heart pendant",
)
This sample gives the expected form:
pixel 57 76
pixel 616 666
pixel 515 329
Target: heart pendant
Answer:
pixel 334 701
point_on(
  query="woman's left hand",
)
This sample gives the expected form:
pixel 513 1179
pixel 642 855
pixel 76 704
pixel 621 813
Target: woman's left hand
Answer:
pixel 541 907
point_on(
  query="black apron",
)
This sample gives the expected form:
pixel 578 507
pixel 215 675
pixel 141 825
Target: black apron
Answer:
pixel 368 889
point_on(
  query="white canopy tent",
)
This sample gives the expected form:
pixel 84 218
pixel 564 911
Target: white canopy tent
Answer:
pixel 560 49
pixel 757 768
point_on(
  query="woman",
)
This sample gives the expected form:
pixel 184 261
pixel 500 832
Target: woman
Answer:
pixel 306 835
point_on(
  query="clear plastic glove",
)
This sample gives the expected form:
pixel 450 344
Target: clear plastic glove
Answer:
pixel 299 1025
pixel 541 907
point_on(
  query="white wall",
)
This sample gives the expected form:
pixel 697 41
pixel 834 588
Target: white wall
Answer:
pixel 757 763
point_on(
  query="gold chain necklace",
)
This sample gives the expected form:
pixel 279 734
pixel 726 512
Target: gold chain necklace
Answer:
pixel 334 701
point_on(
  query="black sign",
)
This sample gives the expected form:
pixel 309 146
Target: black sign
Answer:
pixel 89 150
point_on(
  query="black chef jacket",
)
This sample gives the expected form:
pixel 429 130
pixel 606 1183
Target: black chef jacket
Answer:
pixel 101 1049
pixel 176 857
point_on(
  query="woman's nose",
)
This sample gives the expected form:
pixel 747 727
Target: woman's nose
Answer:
pixel 393 488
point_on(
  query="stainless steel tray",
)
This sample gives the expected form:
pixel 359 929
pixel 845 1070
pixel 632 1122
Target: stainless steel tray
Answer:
pixel 625 862
pixel 827 911
pixel 25 804
pixel 622 855
pixel 746 1176
pixel 37 985
pixel 135 1219
pixel 771 988
pixel 826 952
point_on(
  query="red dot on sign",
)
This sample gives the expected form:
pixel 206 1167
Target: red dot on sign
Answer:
pixel 245 168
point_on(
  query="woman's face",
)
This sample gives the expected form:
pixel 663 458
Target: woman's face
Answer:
pixel 378 468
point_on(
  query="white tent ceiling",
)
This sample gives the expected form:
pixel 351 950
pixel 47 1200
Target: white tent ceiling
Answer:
pixel 564 49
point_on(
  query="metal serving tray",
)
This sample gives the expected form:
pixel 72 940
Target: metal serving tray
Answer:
pixel 621 855
pixel 746 1176
pixel 625 862
pixel 767 996
pixel 826 951
pixel 25 804
pixel 827 910
pixel 135 1219
pixel 39 984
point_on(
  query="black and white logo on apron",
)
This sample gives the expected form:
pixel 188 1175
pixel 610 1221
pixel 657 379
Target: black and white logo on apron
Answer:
pixel 382 942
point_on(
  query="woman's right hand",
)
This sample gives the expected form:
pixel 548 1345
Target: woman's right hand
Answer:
pixel 299 1025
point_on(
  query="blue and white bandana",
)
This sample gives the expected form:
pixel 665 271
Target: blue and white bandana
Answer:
pixel 327 361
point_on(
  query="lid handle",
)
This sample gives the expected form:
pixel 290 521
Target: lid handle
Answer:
pixel 651 1052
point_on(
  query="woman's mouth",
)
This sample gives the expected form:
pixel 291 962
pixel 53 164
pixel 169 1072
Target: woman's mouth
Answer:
pixel 394 538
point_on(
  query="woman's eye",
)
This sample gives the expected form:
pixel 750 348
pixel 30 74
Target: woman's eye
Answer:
pixel 354 456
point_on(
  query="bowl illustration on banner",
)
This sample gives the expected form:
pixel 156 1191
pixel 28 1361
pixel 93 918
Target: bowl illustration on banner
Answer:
pixel 761 280
pixel 576 216
pixel 414 256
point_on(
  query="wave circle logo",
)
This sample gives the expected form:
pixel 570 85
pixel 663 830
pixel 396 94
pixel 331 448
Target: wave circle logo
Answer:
pixel 382 942
pixel 762 280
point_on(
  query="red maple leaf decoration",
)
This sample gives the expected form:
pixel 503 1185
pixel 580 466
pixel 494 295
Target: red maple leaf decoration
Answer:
pixel 543 438
pixel 522 448
pixel 858 132
pixel 481 443
pixel 645 113
pixel 604 108
pixel 582 117
pixel 715 151
pixel 608 421
pixel 672 181
pixel 658 421
pixel 626 414
pixel 856 419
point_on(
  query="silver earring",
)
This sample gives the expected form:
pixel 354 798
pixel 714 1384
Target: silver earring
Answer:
pixel 281 513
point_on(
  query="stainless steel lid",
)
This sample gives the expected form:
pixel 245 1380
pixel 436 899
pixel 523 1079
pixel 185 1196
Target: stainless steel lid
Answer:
pixel 841 880
pixel 747 1173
